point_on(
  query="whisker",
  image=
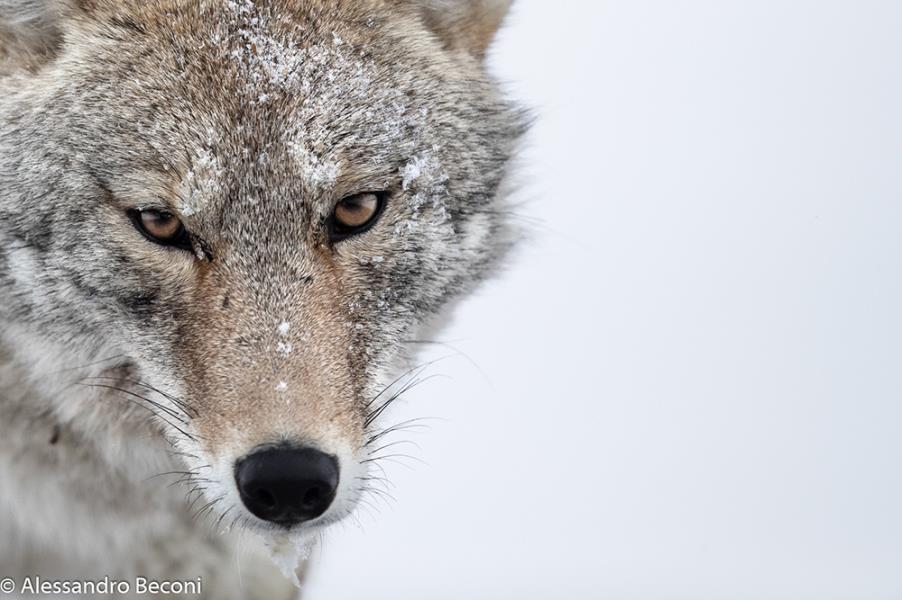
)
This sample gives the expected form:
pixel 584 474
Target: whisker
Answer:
pixel 415 371
pixel 388 483
pixel 408 425
pixel 396 443
pixel 381 493
pixel 165 409
pixel 457 352
pixel 154 413
pixel 206 508
pixel 85 366
pixel 223 516
pixel 176 473
pixel 179 403
pixel 407 387
pixel 393 458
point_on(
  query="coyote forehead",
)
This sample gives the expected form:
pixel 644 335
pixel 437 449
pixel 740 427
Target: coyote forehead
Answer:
pixel 246 123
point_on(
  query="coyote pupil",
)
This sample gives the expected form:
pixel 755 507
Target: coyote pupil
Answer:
pixel 220 223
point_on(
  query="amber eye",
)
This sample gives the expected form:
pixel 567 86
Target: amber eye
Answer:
pixel 355 214
pixel 161 227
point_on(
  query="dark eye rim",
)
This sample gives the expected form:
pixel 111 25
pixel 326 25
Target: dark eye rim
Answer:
pixel 339 232
pixel 181 240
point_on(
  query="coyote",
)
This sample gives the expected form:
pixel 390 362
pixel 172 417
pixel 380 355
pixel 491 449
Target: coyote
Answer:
pixel 221 225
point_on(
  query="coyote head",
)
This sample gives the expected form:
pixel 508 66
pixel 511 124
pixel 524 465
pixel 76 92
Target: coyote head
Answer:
pixel 250 205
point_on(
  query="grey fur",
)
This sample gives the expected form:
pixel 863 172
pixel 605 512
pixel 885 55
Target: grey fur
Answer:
pixel 250 120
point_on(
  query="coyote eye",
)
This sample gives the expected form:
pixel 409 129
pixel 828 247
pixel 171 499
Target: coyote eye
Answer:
pixel 161 227
pixel 355 214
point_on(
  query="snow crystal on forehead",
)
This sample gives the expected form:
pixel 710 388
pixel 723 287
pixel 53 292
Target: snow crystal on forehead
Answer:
pixel 201 182
pixel 317 172
pixel 265 59
pixel 274 61
pixel 283 328
pixel 332 79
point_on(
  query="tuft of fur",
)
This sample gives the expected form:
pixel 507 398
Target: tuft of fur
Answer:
pixel 28 33
pixel 134 376
pixel 467 25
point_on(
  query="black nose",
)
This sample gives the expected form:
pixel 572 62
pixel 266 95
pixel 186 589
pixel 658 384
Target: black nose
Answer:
pixel 287 485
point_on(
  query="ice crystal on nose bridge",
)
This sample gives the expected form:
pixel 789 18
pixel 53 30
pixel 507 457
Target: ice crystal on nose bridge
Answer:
pixel 282 346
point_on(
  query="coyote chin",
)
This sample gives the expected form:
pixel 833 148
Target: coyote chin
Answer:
pixel 220 223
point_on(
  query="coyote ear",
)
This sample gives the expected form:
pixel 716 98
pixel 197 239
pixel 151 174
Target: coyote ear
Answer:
pixel 31 32
pixel 467 25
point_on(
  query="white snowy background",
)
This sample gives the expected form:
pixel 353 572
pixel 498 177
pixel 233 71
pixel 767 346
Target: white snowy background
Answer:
pixel 689 384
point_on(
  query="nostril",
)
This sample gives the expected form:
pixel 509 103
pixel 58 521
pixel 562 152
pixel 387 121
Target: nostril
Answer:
pixel 264 498
pixel 287 485
pixel 313 497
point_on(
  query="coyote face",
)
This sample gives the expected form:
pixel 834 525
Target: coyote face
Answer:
pixel 250 206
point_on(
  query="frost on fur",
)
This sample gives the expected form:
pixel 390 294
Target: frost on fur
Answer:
pixel 289 553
